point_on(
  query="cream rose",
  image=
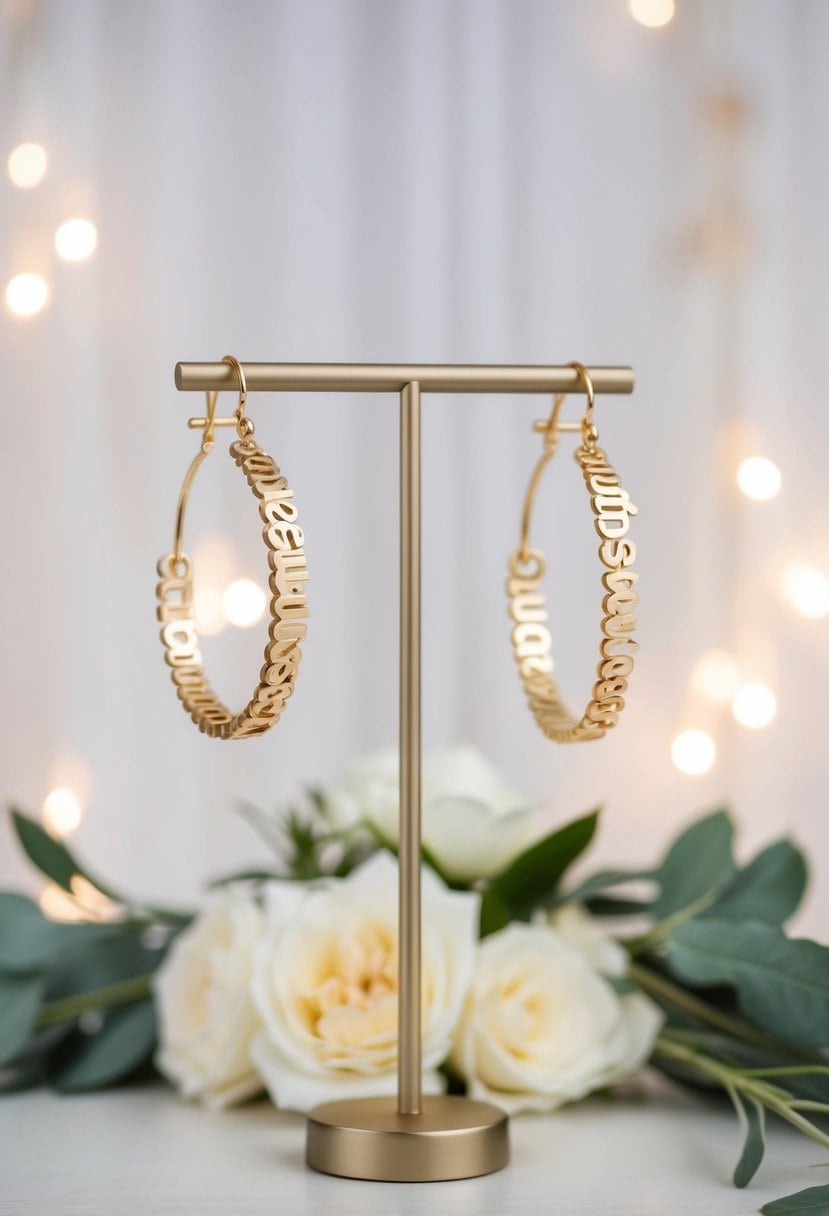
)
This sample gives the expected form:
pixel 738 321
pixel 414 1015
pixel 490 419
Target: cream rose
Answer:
pixel 325 983
pixel 541 1025
pixel 206 1017
pixel 473 824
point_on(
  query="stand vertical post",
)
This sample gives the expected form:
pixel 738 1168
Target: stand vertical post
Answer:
pixel 409 1000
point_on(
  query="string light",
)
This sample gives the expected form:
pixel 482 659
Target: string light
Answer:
pixel 652 13
pixel 716 677
pixel 806 589
pixel 76 239
pixel 693 752
pixel 754 705
pixel 27 165
pixel 61 811
pixel 759 478
pixel 26 295
pixel 243 602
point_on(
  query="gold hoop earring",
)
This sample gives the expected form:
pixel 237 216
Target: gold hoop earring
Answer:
pixel 285 542
pixel 531 641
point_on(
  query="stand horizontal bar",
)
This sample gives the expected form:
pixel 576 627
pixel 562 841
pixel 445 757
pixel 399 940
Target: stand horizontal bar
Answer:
pixel 392 377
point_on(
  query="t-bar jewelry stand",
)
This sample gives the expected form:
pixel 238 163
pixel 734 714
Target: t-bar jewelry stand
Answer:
pixel 416 1138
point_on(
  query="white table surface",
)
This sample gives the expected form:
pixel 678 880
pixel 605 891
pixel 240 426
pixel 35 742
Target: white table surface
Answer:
pixel 143 1152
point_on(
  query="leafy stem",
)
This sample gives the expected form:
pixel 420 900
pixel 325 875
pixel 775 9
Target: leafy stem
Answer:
pixel 740 1083
pixel 665 990
pixel 69 1008
pixel 664 928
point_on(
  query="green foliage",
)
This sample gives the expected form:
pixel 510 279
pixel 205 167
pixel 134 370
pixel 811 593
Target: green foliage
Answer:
pixel 746 1007
pixel 753 1118
pixel 20 998
pixel 814 1200
pixel 124 1043
pixel 55 861
pixel 782 984
pixel 532 879
pixel 30 942
pixel 769 888
pixel 697 866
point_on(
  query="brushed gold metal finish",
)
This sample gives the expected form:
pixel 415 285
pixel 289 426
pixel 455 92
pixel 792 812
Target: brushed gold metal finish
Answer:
pixel 530 636
pixel 284 541
pixel 408 995
pixel 393 378
pixel 369 1138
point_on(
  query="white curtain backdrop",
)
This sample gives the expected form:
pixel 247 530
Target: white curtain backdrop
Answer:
pixel 412 180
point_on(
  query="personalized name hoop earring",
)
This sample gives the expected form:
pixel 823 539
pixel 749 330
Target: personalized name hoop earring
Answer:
pixel 531 642
pixel 284 541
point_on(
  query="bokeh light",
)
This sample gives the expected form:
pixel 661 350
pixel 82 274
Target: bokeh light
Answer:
pixel 208 609
pixel 26 295
pixel 759 478
pixel 806 589
pixel 693 752
pixel 58 904
pixel 754 705
pixel 27 165
pixel 716 676
pixel 652 13
pixel 244 602
pixel 61 811
pixel 76 239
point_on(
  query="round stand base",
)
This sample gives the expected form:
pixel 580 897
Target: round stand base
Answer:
pixel 367 1138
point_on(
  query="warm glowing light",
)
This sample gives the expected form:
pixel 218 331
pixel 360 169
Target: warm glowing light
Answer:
pixel 806 589
pixel 61 811
pixel 759 478
pixel 754 705
pixel 26 294
pixel 244 602
pixel 693 752
pixel 75 240
pixel 716 677
pixel 652 13
pixel 208 610
pixel 58 904
pixel 84 902
pixel 27 165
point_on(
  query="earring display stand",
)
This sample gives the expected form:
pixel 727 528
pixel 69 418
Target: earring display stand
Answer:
pixel 411 1138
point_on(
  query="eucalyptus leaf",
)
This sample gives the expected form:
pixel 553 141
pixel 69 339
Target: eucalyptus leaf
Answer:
pixel 98 964
pixel 30 942
pixel 54 859
pixel 601 881
pixel 29 1068
pixel 769 888
pixel 20 997
pixel 51 856
pixel 782 984
pixel 754 1146
pixel 531 880
pixel 125 1041
pixel 698 865
pixel 814 1200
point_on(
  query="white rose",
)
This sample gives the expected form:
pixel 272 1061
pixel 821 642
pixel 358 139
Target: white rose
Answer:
pixel 325 983
pixel 542 1027
pixel 206 1017
pixel 579 929
pixel 473 824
